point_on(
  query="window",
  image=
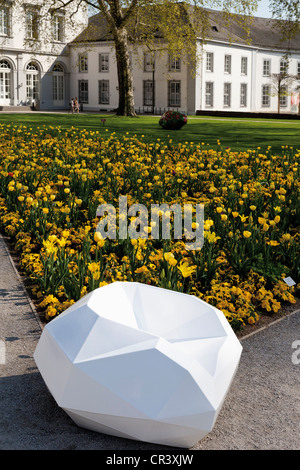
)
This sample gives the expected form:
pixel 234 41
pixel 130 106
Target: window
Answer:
pixel 266 67
pixel 58 28
pixel 209 62
pixel 284 65
pixel 148 95
pixel 227 64
pixel 32 81
pixel 4 64
pixel 243 95
pixel 4 21
pixel 283 97
pixel 58 68
pixel 103 62
pixel 83 63
pixel 174 64
pixel 227 95
pixel 103 91
pixel 209 94
pixel 32 19
pixel 32 66
pixel 265 98
pixel 149 62
pixel 244 65
pixel 5 79
pixel 58 82
pixel 83 91
pixel 174 93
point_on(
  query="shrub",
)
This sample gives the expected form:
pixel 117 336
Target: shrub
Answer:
pixel 173 120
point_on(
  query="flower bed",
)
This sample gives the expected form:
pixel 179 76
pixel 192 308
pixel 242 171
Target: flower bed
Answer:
pixel 173 120
pixel 52 181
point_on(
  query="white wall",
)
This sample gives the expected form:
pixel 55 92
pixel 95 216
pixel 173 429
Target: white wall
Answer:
pixel 18 51
pixel 218 77
pixel 93 75
pixel 254 78
pixel 275 58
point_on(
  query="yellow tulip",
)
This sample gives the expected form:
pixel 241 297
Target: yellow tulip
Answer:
pixel 246 234
pixel 286 237
pixel 97 236
pixel 277 219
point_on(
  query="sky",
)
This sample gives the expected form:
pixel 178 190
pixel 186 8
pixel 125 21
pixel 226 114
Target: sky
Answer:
pixel 263 9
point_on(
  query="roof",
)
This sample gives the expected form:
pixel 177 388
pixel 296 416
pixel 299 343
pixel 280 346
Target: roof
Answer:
pixel 263 32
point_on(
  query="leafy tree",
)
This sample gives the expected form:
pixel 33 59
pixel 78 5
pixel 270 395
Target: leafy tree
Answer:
pixel 281 83
pixel 164 26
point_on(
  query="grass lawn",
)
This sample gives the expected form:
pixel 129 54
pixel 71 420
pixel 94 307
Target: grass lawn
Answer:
pixel 238 134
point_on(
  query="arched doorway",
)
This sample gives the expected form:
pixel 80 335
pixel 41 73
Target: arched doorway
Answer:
pixel 32 83
pixel 58 82
pixel 5 83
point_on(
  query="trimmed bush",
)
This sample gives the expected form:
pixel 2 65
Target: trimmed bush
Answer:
pixel 173 120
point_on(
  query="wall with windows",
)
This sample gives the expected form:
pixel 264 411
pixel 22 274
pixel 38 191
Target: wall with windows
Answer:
pixel 31 26
pixel 31 43
pixel 225 78
pixel 159 82
pixel 269 63
pixel 93 76
pixel 229 78
pixel 239 78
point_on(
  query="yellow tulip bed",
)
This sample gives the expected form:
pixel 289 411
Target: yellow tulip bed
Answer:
pixel 53 180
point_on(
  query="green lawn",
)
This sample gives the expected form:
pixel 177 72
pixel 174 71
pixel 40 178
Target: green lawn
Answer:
pixel 238 134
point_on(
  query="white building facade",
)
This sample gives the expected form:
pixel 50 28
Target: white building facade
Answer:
pixel 34 53
pixel 238 78
pixel 43 59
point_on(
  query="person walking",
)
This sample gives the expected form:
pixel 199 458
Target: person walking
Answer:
pixel 72 105
pixel 76 106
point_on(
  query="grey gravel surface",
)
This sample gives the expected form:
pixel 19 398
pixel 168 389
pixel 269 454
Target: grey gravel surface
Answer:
pixel 260 412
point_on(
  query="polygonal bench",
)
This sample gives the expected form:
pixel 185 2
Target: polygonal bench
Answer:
pixel 140 362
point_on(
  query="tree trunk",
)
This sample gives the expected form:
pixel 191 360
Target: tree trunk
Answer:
pixel 125 79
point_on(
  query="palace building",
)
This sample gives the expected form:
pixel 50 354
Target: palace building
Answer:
pixel 50 58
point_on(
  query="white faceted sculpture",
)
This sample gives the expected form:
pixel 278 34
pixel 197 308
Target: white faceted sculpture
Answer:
pixel 140 362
